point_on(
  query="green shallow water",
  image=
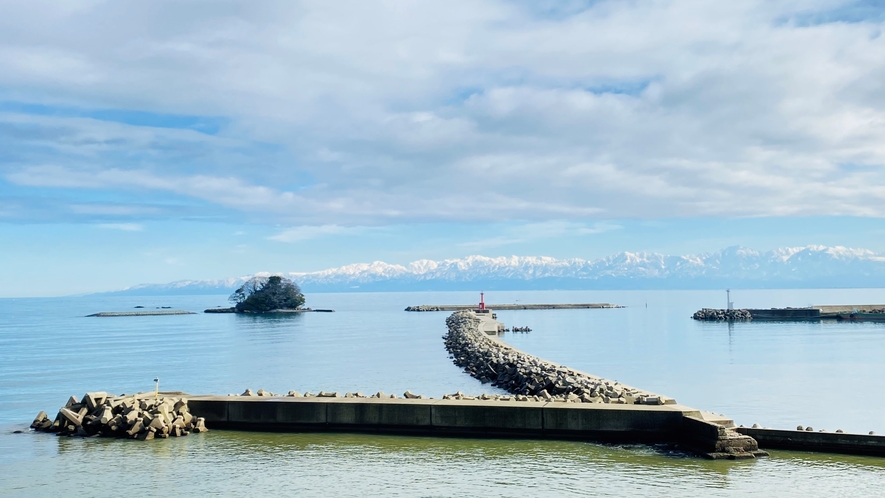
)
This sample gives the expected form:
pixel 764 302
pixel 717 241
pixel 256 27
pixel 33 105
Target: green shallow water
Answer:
pixel 828 375
pixel 232 463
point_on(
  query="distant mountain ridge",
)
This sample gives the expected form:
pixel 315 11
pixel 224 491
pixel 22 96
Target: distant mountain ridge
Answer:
pixel 788 267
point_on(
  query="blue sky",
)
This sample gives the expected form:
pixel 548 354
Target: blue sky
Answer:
pixel 150 142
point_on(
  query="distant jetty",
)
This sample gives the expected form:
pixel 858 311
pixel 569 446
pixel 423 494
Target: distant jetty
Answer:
pixel 143 313
pixel 511 307
pixel 299 310
pixel 851 312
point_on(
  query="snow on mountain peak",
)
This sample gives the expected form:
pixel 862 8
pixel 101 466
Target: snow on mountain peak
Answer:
pixel 814 263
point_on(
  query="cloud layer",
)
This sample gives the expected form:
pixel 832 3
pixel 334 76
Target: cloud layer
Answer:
pixel 359 113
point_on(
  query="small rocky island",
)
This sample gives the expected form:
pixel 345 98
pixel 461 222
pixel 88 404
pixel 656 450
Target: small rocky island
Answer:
pixel 274 294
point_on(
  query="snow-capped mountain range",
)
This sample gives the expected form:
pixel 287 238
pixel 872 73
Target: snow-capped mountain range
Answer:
pixel 793 267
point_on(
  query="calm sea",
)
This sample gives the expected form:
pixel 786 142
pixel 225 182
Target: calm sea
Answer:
pixel 827 375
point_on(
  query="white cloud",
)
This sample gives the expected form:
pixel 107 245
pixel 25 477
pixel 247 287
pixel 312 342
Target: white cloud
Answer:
pixel 126 227
pixel 528 232
pixel 112 209
pixel 307 232
pixel 459 110
pixel 227 191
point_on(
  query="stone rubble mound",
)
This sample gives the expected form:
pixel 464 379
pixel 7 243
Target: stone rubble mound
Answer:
pixel 141 417
pixel 721 315
pixel 528 377
pixel 423 308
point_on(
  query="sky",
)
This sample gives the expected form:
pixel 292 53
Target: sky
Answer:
pixel 146 142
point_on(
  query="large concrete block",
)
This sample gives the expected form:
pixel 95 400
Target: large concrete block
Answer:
pixel 94 399
pixel 71 416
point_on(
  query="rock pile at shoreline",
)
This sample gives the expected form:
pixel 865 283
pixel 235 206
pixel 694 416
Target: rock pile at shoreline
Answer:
pixel 721 315
pixel 423 308
pixel 526 376
pixel 141 417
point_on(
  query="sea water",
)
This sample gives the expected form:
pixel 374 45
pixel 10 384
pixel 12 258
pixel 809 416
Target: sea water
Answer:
pixel 828 375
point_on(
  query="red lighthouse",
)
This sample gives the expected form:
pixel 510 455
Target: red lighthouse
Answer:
pixel 482 302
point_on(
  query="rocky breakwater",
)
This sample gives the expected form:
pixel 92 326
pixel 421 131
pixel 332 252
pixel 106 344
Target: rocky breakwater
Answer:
pixel 721 315
pixel 529 377
pixel 423 307
pixel 141 417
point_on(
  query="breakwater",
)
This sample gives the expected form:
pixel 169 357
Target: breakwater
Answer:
pixel 746 315
pixel 811 313
pixel 803 439
pixel 687 428
pixel 510 307
pixel 721 315
pixel 491 361
pixel 142 313
pixel 142 417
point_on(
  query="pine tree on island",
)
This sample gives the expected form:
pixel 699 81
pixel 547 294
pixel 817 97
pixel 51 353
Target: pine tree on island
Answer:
pixel 261 295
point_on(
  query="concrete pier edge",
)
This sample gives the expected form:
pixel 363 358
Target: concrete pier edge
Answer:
pixel 648 424
pixel 826 442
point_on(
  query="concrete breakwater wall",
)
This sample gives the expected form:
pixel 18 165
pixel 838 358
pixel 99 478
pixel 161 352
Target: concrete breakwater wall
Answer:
pixel 142 417
pixel 811 313
pixel 770 314
pixel 477 417
pixel 519 373
pixel 510 307
pixel 807 440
